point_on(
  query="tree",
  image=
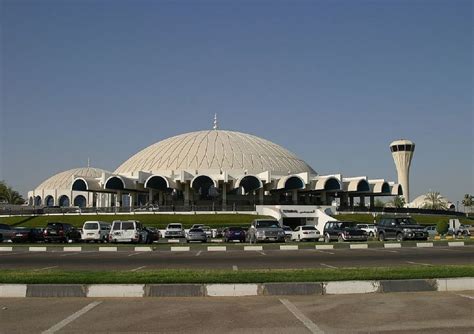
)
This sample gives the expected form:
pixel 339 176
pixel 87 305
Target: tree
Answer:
pixel 398 202
pixel 434 201
pixel 379 203
pixel 8 195
pixel 468 201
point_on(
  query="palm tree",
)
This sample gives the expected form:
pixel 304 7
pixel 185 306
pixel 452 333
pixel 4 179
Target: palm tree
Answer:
pixel 397 202
pixel 468 202
pixel 8 195
pixel 434 201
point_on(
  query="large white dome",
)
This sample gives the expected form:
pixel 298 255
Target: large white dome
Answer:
pixel 218 150
pixel 64 179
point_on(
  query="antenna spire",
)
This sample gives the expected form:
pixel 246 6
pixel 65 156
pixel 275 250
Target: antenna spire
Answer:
pixel 88 162
pixel 215 127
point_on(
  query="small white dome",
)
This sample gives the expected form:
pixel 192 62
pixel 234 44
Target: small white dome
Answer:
pixel 64 179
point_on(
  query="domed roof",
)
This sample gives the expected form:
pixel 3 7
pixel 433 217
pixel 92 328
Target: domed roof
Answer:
pixel 422 200
pixel 64 179
pixel 215 150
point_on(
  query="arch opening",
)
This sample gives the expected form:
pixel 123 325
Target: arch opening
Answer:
pixel 38 200
pixel 363 186
pixel 204 186
pixel 250 183
pixel 115 183
pixel 294 182
pixel 79 185
pixel 80 201
pixel 64 200
pixel 157 182
pixel 385 188
pixel 49 201
pixel 332 184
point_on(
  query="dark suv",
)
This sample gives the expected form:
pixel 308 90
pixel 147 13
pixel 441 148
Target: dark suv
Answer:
pixel 400 228
pixel 343 231
pixel 61 232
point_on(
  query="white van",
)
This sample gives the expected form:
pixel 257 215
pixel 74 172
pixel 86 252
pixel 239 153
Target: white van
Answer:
pixel 95 231
pixel 127 231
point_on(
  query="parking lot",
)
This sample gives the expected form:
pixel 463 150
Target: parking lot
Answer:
pixel 422 312
pixel 237 259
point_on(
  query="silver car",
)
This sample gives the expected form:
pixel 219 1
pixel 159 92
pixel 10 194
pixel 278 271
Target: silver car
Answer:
pixel 196 234
pixel 265 230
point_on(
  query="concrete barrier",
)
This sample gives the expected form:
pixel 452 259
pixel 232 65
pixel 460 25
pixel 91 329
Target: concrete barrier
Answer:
pixel 253 248
pixel 13 290
pixel 174 290
pixel 456 244
pixel 358 246
pixel 115 290
pixel 107 249
pixel 216 248
pixel 275 289
pixel 231 290
pixel 392 245
pixel 455 284
pixel 173 241
pixel 56 290
pixel 347 287
pixel 72 249
pixel 180 249
pixel 143 249
pixel 37 249
pixel 424 244
pixel 324 247
pixel 288 247
pixel 6 249
pixel 408 285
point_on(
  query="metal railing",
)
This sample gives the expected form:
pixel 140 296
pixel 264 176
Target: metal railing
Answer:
pixel 384 210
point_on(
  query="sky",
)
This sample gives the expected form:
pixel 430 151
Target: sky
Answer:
pixel 332 81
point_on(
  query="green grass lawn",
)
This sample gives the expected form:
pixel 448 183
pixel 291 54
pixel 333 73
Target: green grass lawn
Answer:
pixel 157 220
pixel 228 276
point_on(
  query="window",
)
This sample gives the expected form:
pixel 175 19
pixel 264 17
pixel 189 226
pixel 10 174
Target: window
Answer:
pixel 401 147
pixel 91 226
pixel 128 226
pixel 267 223
pixel 394 148
pixel 408 147
pixel 116 226
pixel 308 228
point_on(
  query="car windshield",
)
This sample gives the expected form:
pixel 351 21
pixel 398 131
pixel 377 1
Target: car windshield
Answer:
pixel 174 226
pixel 91 226
pixel 54 225
pixel 197 230
pixel 308 228
pixel 362 226
pixel 406 221
pixel 287 228
pixel 348 225
pixel 267 223
pixel 234 229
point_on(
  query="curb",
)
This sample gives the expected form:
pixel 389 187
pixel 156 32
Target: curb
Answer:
pixel 234 290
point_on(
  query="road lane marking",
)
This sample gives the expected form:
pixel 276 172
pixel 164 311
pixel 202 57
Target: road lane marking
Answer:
pixel 136 269
pixel 6 254
pixel 327 265
pixel 198 253
pixel 419 263
pixel 325 252
pixel 45 268
pixel 133 254
pixel 261 252
pixel 235 268
pixel 71 318
pixel 465 296
pixel 313 328
pixel 69 254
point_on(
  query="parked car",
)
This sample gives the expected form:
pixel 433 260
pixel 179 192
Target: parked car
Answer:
pixel 61 232
pixel 265 230
pixel 432 231
pixel 95 231
pixel 196 234
pixel 7 232
pixel 369 228
pixel 28 234
pixel 174 230
pixel 400 228
pixel 288 232
pixel 153 234
pixel 234 234
pixel 208 231
pixel 305 233
pixel 127 231
pixel 343 231
pixel 461 230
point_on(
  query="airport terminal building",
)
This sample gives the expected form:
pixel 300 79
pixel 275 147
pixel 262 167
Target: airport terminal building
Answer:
pixel 214 168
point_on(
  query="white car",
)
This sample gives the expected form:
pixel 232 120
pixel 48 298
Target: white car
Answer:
pixel 369 228
pixel 306 232
pixel 95 231
pixel 127 231
pixel 174 230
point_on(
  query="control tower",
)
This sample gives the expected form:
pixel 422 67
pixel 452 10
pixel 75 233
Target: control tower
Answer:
pixel 402 153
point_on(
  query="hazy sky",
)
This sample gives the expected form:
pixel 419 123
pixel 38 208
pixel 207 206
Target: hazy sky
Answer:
pixel 332 81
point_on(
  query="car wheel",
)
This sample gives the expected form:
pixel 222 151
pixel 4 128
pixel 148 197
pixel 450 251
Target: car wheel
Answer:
pixel 381 237
pixel 399 237
pixel 371 234
pixel 340 238
pixel 327 238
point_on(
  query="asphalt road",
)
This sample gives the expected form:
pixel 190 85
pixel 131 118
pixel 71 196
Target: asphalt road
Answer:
pixel 237 259
pixel 430 312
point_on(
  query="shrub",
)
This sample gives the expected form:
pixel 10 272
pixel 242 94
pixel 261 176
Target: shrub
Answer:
pixel 442 227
